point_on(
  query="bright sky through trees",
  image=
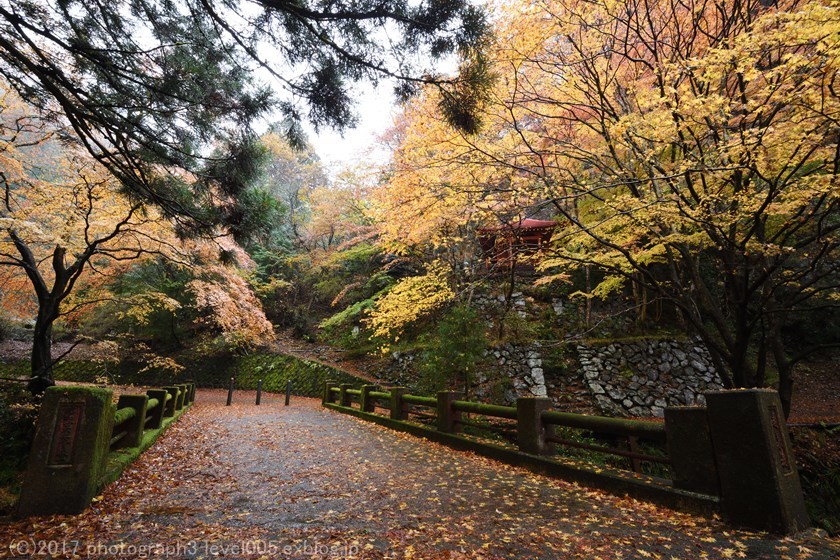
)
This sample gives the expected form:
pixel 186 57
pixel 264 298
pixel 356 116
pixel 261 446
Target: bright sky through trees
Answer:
pixel 376 108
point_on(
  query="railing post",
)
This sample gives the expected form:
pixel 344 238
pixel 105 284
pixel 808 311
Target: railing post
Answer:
pixel 759 483
pixel 169 405
pixel 259 391
pixel 633 447
pixel 182 392
pixel 157 412
pixel 531 432
pixel 134 426
pixel 448 417
pixel 344 396
pixel 690 450
pixel 367 404
pixel 399 408
pixel 288 392
pixel 230 392
pixel 328 394
pixel 69 451
pixel 187 391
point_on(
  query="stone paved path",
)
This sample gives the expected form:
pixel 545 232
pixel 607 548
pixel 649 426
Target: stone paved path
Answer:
pixel 303 482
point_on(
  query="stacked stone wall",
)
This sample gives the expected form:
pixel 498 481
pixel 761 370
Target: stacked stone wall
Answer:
pixel 641 378
pixel 523 365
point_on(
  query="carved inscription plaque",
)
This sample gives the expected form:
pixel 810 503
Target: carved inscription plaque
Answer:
pixel 68 419
pixel 778 437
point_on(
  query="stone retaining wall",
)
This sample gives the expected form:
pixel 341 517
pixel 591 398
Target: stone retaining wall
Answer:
pixel 523 366
pixel 641 378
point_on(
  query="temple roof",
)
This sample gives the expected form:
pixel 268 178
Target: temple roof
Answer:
pixel 521 225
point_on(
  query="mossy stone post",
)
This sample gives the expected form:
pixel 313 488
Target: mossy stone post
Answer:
pixel 367 404
pixel 327 398
pixel 133 426
pixel 186 388
pixel 447 416
pixel 531 432
pixel 399 408
pixel 156 414
pixel 344 396
pixel 169 405
pixel 191 394
pixel 759 483
pixel 690 450
pixel 182 394
pixel 69 451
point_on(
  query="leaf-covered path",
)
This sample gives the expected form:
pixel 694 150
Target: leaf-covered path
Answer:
pixel 303 482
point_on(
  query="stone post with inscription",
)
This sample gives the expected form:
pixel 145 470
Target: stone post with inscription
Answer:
pixel 68 452
pixel 759 484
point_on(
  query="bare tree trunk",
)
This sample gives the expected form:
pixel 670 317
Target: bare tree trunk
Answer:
pixel 42 374
pixel 783 365
pixel 588 314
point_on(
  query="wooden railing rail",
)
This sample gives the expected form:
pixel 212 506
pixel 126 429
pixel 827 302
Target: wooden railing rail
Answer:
pixel 710 451
pixel 654 431
pixel 529 424
pixel 421 401
pixel 491 410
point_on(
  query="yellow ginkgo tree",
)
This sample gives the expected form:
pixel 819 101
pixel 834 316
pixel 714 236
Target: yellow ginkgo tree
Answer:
pixel 694 149
pixel 691 147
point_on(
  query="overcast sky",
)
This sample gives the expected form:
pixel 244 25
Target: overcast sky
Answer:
pixel 376 112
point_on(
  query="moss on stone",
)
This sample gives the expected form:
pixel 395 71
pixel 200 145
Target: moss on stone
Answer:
pixel 49 486
pixel 275 370
pixel 117 461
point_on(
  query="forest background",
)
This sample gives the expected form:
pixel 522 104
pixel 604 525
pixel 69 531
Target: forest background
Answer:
pixel 687 151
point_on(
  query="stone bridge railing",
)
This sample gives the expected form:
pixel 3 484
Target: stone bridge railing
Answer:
pixel 83 442
pixel 733 455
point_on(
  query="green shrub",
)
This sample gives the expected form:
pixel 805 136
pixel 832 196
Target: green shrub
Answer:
pixel 351 314
pixel 453 350
pixel 18 413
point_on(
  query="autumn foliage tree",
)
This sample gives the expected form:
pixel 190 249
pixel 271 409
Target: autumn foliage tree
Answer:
pixel 61 216
pixel 691 146
pixel 290 174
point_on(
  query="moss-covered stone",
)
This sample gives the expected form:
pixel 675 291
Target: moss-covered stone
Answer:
pixel 68 454
pixel 136 424
pixel 306 376
pixel 155 413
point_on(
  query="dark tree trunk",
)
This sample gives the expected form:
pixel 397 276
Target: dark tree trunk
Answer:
pixel 49 301
pixel 783 365
pixel 42 374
